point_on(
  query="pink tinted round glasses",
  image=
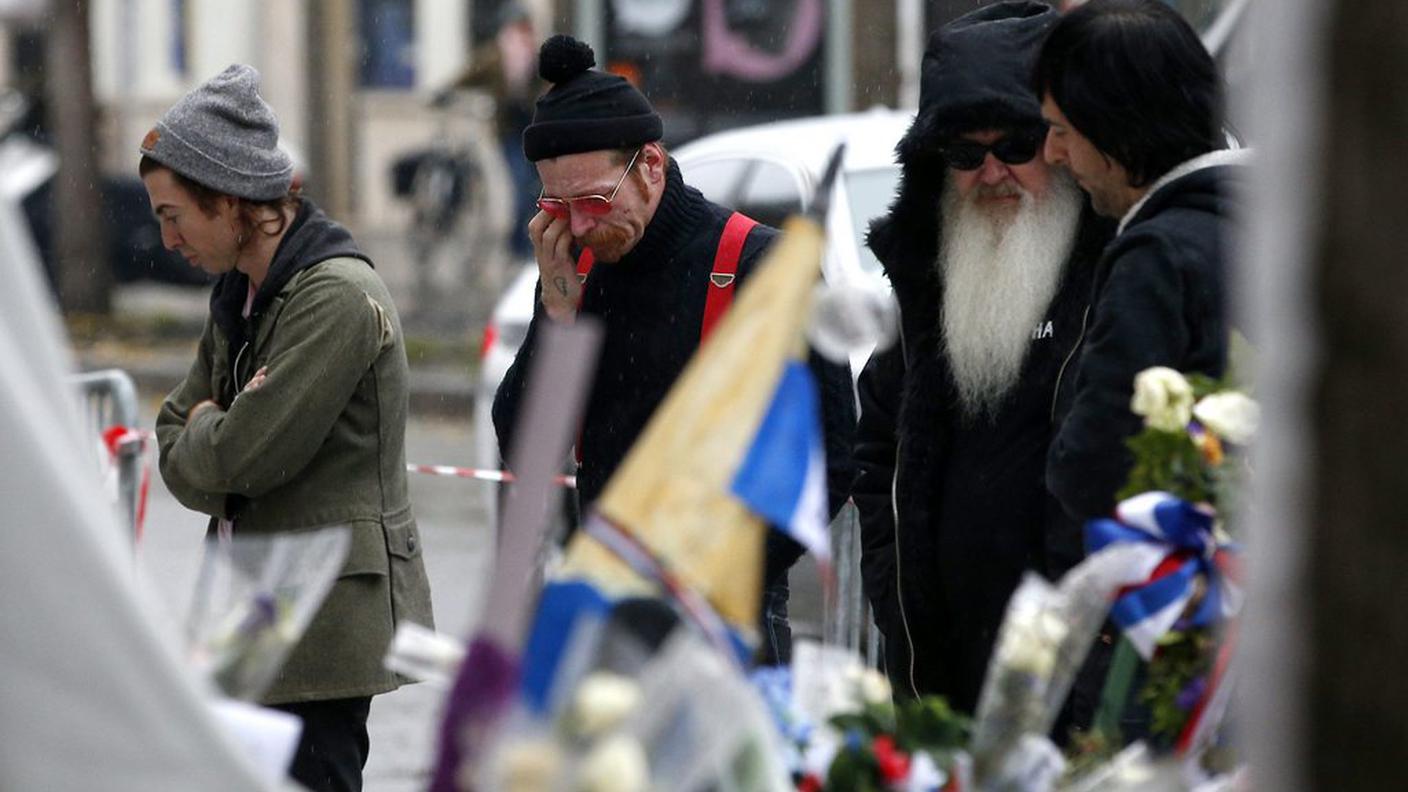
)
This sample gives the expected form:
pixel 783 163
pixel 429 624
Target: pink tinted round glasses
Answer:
pixel 591 204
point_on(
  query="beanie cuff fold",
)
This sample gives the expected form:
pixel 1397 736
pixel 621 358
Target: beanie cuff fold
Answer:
pixel 548 139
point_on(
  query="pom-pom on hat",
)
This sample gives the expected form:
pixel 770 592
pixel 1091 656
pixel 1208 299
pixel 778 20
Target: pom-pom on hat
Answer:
pixel 224 136
pixel 585 110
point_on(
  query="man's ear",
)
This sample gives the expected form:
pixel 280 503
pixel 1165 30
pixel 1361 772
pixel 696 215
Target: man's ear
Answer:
pixel 655 161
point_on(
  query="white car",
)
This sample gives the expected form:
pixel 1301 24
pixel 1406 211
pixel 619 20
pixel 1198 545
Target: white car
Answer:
pixel 767 172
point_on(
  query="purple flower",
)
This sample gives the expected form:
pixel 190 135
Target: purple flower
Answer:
pixel 1191 694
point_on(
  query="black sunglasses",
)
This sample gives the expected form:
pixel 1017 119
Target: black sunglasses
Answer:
pixel 1015 148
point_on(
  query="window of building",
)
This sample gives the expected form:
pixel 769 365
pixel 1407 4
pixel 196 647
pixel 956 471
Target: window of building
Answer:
pixel 388 36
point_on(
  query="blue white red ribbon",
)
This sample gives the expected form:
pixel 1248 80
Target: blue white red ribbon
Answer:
pixel 1180 545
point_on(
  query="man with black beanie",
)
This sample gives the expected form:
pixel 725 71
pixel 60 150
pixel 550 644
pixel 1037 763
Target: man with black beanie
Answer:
pixel 621 237
pixel 955 419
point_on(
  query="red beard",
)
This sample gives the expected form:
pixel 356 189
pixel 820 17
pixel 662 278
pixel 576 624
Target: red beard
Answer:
pixel 607 243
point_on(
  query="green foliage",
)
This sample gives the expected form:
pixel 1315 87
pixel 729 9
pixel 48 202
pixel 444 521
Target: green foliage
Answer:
pixel 1182 658
pixel 855 768
pixel 1170 462
pixel 930 724
pixel 927 723
pixel 924 724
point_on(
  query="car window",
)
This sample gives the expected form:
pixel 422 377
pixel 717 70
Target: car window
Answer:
pixel 870 192
pixel 771 194
pixel 721 180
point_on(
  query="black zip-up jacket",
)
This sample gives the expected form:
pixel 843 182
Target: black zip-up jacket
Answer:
pixel 1160 300
pixel 651 303
pixel 953 508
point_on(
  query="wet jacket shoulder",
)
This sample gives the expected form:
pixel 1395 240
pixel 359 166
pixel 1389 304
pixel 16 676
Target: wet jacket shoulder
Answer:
pixel 321 443
pixel 1160 301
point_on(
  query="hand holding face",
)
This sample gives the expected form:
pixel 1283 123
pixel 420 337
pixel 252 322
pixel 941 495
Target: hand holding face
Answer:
pixel 557 267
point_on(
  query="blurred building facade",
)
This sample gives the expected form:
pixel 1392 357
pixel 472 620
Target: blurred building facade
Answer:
pixel 351 79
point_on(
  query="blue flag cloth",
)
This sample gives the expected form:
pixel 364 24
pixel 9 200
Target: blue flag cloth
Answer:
pixel 783 475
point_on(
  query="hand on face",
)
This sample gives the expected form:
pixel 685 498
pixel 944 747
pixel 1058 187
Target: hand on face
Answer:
pixel 557 267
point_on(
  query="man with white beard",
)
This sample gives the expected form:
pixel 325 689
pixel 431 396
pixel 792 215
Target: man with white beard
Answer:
pixel 990 253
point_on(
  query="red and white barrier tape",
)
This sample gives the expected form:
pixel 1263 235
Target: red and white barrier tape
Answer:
pixel 479 474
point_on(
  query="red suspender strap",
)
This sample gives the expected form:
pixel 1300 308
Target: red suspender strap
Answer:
pixel 721 280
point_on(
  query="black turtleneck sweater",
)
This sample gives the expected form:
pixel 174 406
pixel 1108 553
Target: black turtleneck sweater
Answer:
pixel 651 303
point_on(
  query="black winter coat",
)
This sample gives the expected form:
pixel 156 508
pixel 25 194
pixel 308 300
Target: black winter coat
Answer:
pixel 1160 301
pixel 652 305
pixel 954 509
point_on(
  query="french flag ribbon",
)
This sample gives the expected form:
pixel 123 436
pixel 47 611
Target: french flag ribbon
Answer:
pixel 1176 544
pixel 783 475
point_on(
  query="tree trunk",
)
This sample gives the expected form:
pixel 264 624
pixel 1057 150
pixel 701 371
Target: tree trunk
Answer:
pixel 332 78
pixel 1358 559
pixel 84 274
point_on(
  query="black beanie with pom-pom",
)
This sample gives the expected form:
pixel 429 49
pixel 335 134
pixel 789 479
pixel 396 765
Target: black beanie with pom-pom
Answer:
pixel 585 110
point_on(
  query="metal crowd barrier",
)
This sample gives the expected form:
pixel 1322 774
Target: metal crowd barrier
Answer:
pixel 109 399
pixel 848 622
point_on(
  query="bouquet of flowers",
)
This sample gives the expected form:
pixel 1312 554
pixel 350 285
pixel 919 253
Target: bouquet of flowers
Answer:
pixel 841 729
pixel 1178 609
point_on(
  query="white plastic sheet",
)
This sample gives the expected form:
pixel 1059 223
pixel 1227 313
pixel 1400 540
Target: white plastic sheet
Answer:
pixel 91 696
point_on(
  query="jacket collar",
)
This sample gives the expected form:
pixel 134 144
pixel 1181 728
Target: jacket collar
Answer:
pixel 676 218
pixel 312 238
pixel 1212 159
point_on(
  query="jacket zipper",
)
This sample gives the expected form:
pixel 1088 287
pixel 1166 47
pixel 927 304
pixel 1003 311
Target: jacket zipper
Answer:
pixel 895 509
pixel 1056 391
pixel 899 577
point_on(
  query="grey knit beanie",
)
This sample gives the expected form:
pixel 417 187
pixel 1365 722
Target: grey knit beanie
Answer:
pixel 224 136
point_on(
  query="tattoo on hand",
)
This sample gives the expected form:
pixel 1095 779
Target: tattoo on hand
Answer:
pixel 561 284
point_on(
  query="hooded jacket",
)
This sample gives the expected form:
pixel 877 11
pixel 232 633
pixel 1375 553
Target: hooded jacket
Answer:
pixel 321 443
pixel 954 507
pixel 1160 300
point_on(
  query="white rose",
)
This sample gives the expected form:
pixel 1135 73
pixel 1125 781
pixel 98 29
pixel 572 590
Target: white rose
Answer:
pixel 1230 415
pixel 602 701
pixel 1164 398
pixel 616 764
pixel 529 766
pixel 874 687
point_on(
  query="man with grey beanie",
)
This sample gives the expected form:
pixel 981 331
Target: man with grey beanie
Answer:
pixel 293 414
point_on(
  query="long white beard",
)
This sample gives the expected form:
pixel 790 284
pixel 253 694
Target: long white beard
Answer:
pixel 1000 269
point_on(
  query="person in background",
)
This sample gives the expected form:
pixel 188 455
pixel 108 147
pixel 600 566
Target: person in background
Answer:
pixel 505 69
pixel 293 414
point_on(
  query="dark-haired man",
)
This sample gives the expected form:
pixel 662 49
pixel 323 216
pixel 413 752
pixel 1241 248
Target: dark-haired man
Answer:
pixel 1132 99
pixel 621 237
pixel 990 253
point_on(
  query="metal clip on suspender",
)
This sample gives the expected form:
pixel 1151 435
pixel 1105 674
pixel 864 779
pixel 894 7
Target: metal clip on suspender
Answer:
pixel 721 280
